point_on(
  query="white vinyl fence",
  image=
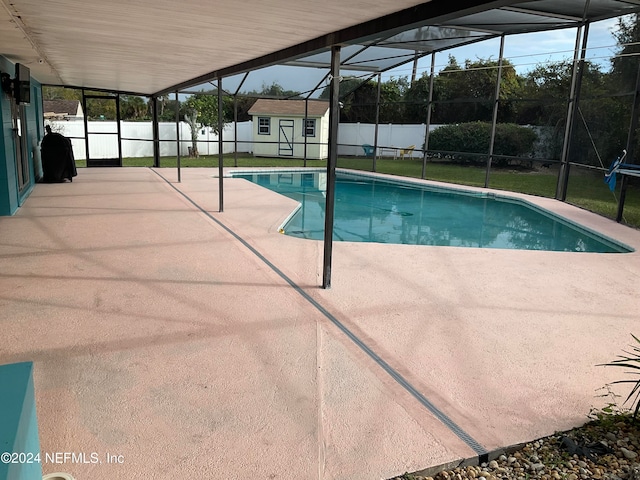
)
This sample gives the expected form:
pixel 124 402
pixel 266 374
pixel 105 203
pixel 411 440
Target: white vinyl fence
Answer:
pixel 351 137
pixel 137 138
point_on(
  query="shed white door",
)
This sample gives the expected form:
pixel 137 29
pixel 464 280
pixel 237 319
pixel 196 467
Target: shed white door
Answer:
pixel 285 138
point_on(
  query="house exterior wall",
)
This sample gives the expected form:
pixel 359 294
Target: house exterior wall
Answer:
pixel 52 116
pixel 79 113
pixel 19 427
pixel 10 196
pixel 270 145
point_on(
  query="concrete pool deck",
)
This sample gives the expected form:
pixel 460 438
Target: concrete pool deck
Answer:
pixel 179 343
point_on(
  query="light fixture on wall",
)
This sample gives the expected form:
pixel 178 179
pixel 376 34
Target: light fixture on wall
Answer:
pixel 7 83
pixel 18 87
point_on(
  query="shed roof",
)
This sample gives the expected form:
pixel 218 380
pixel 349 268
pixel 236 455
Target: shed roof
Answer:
pixel 61 106
pixel 264 106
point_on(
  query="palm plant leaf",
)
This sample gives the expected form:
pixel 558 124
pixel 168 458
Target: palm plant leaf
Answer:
pixel 630 360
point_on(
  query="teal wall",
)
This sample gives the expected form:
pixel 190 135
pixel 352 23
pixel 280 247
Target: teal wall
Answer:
pixel 10 198
pixel 19 426
pixel 35 129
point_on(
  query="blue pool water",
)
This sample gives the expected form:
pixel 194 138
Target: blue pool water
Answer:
pixel 369 209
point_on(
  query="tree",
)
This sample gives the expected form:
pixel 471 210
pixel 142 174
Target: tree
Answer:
pixel 624 71
pixel 624 65
pixel 600 131
pixel 163 100
pixel 168 112
pixel 359 105
pixel 474 86
pixel 131 107
pixel 346 93
pixel 246 100
pixel 545 90
pixel 276 90
pixel 392 98
pixel 346 86
pixel 244 105
pixel 474 138
pixel 359 98
pixel 134 108
pixel 417 100
pixel 100 108
pixel 600 123
pixel 61 93
pixel 201 110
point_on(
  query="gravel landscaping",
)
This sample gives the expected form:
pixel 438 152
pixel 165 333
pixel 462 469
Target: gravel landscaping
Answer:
pixel 605 448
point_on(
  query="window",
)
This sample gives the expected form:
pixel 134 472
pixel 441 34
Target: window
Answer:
pixel 309 128
pixel 264 126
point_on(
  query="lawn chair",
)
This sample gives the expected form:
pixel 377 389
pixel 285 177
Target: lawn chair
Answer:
pixel 368 150
pixel 407 151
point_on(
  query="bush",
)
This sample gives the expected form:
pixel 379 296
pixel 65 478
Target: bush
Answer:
pixel 511 140
pixel 630 361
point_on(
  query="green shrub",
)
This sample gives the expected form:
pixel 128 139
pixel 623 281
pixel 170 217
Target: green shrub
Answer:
pixel 630 361
pixel 511 140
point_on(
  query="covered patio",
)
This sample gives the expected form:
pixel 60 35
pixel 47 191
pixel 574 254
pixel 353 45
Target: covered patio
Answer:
pixel 181 342
pixel 174 338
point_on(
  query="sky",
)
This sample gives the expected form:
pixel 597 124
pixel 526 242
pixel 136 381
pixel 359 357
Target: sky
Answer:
pixel 524 51
pixel 527 50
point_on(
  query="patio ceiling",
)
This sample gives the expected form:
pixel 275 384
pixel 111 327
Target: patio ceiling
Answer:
pixel 156 47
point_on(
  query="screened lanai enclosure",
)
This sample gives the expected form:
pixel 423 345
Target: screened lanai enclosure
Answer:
pixel 162 317
pixel 575 107
pixel 552 130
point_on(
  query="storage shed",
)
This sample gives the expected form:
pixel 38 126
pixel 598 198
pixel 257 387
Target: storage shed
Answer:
pixel 280 128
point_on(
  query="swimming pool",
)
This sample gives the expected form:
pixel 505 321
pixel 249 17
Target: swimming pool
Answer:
pixel 370 209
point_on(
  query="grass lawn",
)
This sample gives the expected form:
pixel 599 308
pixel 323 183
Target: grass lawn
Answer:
pixel 586 189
